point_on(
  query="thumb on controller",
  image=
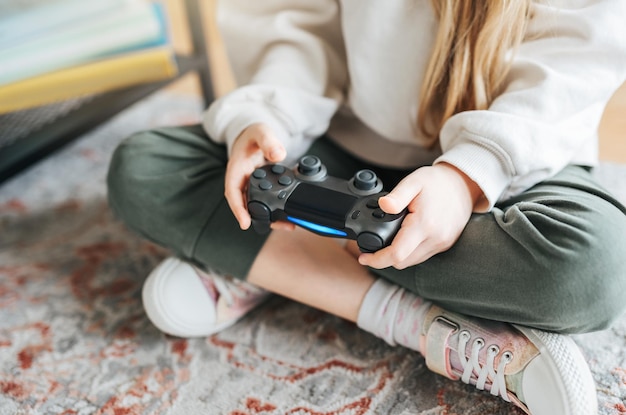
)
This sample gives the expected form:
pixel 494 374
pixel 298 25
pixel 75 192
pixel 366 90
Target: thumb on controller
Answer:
pixel 400 197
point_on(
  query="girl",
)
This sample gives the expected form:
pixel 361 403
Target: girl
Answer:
pixel 481 118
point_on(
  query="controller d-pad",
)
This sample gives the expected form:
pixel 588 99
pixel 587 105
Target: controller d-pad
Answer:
pixel 278 169
pixel 265 185
pixel 259 174
pixel 285 180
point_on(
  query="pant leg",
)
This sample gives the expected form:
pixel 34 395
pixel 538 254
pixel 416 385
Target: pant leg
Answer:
pixel 168 186
pixel 552 258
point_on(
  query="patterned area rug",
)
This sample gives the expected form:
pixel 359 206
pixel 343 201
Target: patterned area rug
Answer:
pixel 74 339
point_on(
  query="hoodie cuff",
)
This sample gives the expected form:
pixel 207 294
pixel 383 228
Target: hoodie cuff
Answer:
pixel 485 168
pixel 224 122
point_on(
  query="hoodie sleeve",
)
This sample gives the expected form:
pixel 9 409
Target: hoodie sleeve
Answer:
pixel 288 58
pixel 572 60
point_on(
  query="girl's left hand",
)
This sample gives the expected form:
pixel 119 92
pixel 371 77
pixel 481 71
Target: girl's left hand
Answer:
pixel 440 200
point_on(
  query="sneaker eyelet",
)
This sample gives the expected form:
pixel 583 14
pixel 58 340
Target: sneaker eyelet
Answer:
pixel 493 349
pixel 480 342
pixel 465 335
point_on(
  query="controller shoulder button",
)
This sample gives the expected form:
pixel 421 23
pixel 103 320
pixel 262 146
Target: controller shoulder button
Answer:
pixel 369 242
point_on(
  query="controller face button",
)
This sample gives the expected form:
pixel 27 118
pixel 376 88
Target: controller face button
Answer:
pixel 259 174
pixel 369 242
pixel 285 180
pixel 355 214
pixel 378 213
pixel 372 204
pixel 265 185
pixel 278 169
pixel 365 180
pixel 282 194
pixel 309 165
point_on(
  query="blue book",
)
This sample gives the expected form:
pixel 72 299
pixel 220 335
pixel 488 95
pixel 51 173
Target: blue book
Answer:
pixel 22 20
pixel 133 25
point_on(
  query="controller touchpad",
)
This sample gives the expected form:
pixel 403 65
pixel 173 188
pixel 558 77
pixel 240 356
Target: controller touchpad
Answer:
pixel 320 205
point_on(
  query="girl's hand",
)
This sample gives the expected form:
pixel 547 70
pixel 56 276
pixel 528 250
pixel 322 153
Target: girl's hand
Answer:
pixel 440 200
pixel 255 146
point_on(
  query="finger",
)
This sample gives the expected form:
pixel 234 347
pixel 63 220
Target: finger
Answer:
pixel 376 260
pixel 271 147
pixel 234 185
pixel 255 144
pixel 400 197
pixel 237 206
pixel 424 252
pixel 404 244
pixel 385 259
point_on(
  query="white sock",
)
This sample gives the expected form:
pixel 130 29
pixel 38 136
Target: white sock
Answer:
pixel 395 315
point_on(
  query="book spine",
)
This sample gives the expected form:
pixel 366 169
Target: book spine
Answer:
pixel 22 22
pixel 129 27
pixel 97 77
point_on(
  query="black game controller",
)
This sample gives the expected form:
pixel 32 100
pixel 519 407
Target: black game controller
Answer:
pixel 309 198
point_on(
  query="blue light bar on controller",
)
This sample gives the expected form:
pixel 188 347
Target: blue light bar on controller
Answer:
pixel 316 227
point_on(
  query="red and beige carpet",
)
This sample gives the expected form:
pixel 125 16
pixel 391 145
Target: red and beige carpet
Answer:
pixel 74 339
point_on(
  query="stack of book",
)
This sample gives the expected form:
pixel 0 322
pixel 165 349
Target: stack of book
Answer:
pixel 52 50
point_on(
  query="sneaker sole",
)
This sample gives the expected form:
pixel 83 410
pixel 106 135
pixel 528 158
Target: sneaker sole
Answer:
pixel 158 313
pixel 566 360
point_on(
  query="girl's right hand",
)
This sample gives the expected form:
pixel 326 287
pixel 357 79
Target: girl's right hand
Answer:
pixel 255 146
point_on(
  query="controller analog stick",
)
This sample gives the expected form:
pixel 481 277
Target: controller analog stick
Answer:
pixel 365 180
pixel 309 165
pixel 369 242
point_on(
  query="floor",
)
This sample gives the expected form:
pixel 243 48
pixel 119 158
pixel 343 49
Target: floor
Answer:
pixel 612 129
pixel 74 337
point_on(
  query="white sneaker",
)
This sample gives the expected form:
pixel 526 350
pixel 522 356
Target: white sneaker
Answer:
pixel 543 373
pixel 184 301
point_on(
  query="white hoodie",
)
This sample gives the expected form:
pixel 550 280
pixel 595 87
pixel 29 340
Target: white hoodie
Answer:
pixel 354 68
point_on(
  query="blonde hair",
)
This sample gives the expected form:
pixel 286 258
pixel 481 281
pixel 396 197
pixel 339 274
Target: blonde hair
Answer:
pixel 469 61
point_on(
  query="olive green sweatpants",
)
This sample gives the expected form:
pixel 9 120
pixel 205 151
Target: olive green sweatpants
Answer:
pixel 553 257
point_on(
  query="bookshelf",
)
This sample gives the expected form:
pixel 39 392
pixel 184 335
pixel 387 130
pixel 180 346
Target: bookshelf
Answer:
pixel 28 136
